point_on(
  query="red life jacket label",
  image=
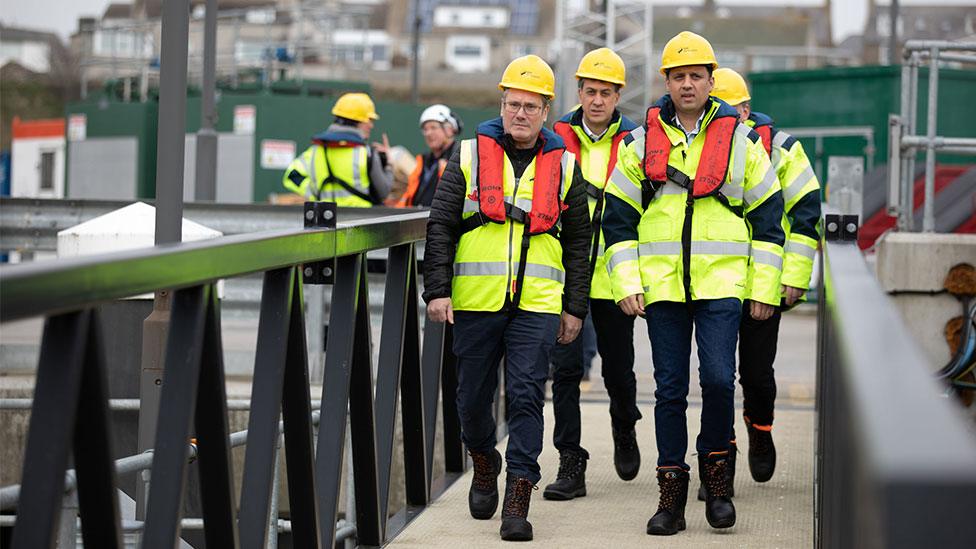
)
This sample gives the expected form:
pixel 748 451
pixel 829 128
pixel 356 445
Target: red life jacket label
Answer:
pixel 714 162
pixel 546 204
pixel 766 133
pixel 565 130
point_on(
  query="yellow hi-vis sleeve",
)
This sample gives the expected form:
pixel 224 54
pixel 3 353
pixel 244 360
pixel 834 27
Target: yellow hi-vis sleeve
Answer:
pixel 762 190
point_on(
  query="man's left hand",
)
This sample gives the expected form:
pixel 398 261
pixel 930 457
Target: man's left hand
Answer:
pixel 792 294
pixel 760 311
pixel 569 328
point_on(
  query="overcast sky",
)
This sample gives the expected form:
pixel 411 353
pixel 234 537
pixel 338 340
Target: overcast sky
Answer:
pixel 62 16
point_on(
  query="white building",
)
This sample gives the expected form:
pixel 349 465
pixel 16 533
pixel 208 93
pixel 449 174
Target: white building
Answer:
pixel 37 158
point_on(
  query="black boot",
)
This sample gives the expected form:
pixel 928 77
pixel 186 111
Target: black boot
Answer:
pixel 719 510
pixel 571 479
pixel 515 511
pixel 483 495
pixel 729 473
pixel 626 454
pixel 762 453
pixel 670 516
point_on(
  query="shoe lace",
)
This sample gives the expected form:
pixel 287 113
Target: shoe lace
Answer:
pixel 570 465
pixel 625 440
pixel 670 487
pixel 517 498
pixel 716 480
pixel 484 471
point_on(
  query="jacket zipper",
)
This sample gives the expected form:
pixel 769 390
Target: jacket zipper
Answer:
pixel 686 241
pixel 511 237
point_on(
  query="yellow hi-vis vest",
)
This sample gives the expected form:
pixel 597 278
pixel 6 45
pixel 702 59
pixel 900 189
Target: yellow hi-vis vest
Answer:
pixel 797 179
pixel 723 259
pixel 319 167
pixel 594 157
pixel 486 263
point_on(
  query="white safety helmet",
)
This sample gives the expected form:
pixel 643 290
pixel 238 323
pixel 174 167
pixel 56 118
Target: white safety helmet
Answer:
pixel 444 115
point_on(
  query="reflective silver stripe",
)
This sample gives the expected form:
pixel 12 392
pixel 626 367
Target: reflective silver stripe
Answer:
pixel 542 271
pixel 312 190
pixel 710 247
pixel 670 187
pixel 340 193
pixel 474 164
pixel 308 175
pixel 638 145
pixel 780 138
pixel 638 133
pixel 767 258
pixel 626 254
pixel 660 248
pixel 739 152
pixel 800 249
pixel 564 161
pixel 794 188
pixel 742 130
pixel 471 206
pixel 481 268
pixel 357 179
pixel 756 193
pixel 626 185
pixel 774 157
pixel 698 247
pixel 522 203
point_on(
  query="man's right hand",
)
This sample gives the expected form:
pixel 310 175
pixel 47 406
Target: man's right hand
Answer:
pixel 440 310
pixel 632 305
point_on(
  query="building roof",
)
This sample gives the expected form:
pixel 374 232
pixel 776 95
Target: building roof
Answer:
pixel 118 11
pixel 17 34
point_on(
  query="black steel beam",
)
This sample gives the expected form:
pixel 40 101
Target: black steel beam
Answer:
pixel 454 460
pixel 335 392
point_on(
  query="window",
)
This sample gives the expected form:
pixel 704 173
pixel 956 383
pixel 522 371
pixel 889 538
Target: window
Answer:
pixel 47 171
pixel 467 50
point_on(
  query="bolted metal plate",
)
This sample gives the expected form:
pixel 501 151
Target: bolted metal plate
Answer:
pixel 845 184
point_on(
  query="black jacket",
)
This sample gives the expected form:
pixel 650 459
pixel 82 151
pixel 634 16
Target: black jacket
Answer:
pixel 444 231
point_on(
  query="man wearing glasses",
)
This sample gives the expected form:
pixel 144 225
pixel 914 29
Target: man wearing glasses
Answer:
pixel 507 262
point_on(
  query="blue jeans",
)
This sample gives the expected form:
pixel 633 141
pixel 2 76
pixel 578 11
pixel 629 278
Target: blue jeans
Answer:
pixel 525 339
pixel 716 328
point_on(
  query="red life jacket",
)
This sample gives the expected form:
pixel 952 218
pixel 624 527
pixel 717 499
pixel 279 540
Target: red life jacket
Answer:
pixel 766 133
pixel 714 162
pixel 546 203
pixel 565 130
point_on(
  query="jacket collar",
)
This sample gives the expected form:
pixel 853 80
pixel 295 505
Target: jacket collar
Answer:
pixel 759 119
pixel 337 133
pixel 714 108
pixel 618 122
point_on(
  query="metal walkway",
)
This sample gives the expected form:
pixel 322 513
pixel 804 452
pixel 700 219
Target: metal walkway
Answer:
pixel 614 513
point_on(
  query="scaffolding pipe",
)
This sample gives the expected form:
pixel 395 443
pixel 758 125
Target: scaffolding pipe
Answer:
pixel 928 216
pixel 930 45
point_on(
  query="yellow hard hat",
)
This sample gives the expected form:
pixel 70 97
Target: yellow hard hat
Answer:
pixel 730 87
pixel 355 106
pixel 529 73
pixel 687 48
pixel 605 65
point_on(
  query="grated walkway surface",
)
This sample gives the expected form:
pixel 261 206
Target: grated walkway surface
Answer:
pixel 776 514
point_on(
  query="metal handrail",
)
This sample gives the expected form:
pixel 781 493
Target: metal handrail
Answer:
pixel 896 461
pixel 45 288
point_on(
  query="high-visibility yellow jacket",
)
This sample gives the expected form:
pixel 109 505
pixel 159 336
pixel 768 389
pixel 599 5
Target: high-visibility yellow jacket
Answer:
pixel 488 256
pixel 801 201
pixel 678 248
pixel 334 168
pixel 595 157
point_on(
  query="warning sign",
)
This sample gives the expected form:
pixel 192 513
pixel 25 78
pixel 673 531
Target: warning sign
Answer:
pixel 245 119
pixel 276 154
pixel 77 127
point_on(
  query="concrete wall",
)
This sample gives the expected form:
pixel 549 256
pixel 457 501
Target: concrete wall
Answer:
pixel 912 267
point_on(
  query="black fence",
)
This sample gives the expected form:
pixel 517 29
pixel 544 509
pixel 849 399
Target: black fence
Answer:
pixel 896 459
pixel 70 413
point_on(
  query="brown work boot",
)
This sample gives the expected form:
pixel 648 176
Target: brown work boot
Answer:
pixel 670 516
pixel 719 510
pixel 515 511
pixel 483 495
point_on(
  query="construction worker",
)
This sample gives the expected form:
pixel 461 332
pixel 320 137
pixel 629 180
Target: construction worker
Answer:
pixel 757 338
pixel 693 229
pixel 506 262
pixel 340 166
pixel 593 132
pixel 439 126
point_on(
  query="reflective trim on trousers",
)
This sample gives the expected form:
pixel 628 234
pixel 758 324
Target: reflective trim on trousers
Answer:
pixel 794 188
pixel 698 247
pixel 500 268
pixel 756 193
pixel 799 248
pixel 618 257
pixel 767 258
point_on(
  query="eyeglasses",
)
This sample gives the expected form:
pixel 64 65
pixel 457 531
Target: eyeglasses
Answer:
pixel 513 107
